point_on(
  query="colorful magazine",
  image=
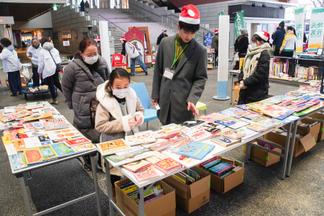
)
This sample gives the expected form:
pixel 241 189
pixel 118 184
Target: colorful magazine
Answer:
pixel 196 150
pixel 62 149
pixel 47 152
pixel 33 156
pixel 17 161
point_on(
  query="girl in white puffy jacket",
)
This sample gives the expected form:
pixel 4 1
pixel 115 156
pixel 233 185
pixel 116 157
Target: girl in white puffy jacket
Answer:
pixel 48 62
pixel 11 66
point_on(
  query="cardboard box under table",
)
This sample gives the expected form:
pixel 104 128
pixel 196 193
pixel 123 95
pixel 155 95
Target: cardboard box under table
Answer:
pixel 227 183
pixel 164 205
pixel 264 157
pixel 192 197
pixel 319 117
pixel 307 134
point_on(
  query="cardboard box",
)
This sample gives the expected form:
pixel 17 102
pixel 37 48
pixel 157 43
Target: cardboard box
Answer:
pixel 319 117
pixel 309 125
pixel 223 185
pixel 164 205
pixel 264 157
pixel 304 141
pixel 192 197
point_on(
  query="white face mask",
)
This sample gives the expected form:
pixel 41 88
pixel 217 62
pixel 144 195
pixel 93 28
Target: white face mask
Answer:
pixel 121 93
pixel 253 45
pixel 91 60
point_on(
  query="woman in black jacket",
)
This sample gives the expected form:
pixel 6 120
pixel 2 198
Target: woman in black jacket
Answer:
pixel 254 80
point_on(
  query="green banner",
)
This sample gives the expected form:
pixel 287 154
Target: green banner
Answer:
pixel 239 23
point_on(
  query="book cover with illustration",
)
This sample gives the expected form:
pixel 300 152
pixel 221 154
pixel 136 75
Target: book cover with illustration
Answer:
pixel 196 150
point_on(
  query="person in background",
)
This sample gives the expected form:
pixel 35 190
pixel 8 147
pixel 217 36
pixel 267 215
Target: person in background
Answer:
pixel 215 45
pixel 82 6
pixel 80 80
pixel 48 61
pixel 86 6
pixel 119 111
pixel 180 71
pixel 278 37
pixel 161 36
pixel 288 48
pixel 241 46
pixel 254 80
pixel 11 65
pixel 134 54
pixel 32 54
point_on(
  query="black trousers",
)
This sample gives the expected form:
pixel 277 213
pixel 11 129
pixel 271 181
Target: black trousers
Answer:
pixel 14 82
pixel 50 81
pixel 292 65
pixel 35 77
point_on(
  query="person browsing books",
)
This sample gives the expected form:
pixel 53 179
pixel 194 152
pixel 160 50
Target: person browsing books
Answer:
pixel 180 71
pixel 254 79
pixel 119 111
pixel 81 78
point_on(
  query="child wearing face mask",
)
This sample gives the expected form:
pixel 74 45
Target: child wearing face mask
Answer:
pixel 119 111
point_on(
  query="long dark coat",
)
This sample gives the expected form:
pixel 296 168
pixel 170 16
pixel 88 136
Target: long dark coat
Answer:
pixel 187 84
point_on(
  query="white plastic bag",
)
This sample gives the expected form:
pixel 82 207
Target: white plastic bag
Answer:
pixel 26 73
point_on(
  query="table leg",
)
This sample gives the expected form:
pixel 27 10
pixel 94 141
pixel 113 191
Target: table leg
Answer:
pixel 292 148
pixel 248 152
pixel 286 152
pixel 141 210
pixel 109 188
pixel 95 181
pixel 26 198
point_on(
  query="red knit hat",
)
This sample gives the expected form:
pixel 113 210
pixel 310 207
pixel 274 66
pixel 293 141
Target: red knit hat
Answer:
pixel 190 15
pixel 263 35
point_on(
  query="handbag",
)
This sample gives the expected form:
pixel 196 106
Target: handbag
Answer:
pixel 58 66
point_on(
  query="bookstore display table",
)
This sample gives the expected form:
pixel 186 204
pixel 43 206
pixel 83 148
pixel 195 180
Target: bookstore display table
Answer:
pixel 36 135
pixel 282 111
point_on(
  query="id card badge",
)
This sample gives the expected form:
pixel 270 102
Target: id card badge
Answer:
pixel 168 73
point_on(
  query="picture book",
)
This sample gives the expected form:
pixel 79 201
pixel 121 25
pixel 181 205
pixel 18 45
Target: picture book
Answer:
pixel 212 128
pixel 196 150
pixel 224 141
pixel 137 165
pixel 32 142
pixel 159 145
pixel 55 123
pixel 212 117
pixel 33 156
pixel 111 147
pixel 232 134
pixel 61 149
pixel 140 138
pixel 168 165
pixel 77 141
pixel 232 123
pixel 83 147
pixel 47 152
pixel 17 161
pixel 221 168
pixel 210 163
pixel 197 134
pixel 146 174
